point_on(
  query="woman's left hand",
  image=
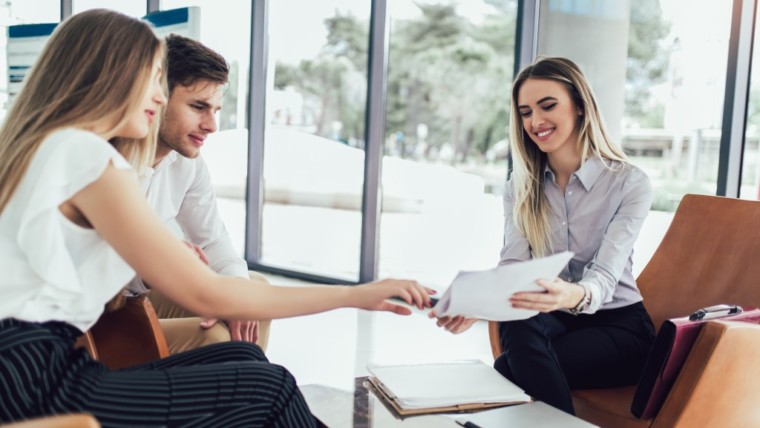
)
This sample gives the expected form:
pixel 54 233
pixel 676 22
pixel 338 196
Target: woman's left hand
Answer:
pixel 559 294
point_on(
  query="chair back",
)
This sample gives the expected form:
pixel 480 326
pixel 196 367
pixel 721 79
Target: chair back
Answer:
pixel 127 336
pixel 709 255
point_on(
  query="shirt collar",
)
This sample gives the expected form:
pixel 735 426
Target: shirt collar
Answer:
pixel 590 171
pixel 166 161
pixel 587 174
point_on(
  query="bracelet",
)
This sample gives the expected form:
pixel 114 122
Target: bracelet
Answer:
pixel 583 304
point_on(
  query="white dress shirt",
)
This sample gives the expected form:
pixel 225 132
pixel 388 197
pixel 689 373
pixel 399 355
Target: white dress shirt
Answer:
pixel 180 189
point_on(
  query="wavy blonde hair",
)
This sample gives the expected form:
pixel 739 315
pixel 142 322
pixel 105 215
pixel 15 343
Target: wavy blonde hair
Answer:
pixel 531 209
pixel 94 70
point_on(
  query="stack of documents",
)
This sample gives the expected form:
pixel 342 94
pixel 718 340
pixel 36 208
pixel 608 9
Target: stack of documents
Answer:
pixel 485 294
pixel 444 387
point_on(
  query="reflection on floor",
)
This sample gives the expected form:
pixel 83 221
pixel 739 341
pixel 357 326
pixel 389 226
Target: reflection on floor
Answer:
pixel 333 348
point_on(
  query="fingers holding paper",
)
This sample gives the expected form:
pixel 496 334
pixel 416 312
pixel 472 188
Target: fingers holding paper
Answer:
pixel 373 296
pixel 455 325
pixel 559 294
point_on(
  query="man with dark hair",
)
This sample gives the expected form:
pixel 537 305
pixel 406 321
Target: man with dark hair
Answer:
pixel 179 189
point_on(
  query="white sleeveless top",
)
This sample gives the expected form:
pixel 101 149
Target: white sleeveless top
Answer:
pixel 50 268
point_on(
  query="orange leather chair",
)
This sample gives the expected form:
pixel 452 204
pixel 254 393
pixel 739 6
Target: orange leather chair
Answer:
pixel 709 255
pixel 127 336
pixel 62 421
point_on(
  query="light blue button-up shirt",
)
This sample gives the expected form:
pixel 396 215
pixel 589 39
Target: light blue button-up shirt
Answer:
pixel 598 217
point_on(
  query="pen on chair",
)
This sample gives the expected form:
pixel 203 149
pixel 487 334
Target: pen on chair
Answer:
pixel 468 424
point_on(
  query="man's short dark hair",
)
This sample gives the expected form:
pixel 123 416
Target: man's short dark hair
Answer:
pixel 190 61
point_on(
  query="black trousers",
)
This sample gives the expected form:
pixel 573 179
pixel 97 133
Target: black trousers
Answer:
pixel 226 385
pixel 551 353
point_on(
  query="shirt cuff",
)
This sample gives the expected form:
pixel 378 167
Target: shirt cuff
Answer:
pixel 596 297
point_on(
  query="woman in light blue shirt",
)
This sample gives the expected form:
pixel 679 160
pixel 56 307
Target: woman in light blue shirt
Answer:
pixel 573 190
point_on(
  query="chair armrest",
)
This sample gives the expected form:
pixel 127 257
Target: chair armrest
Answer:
pixel 129 336
pixel 495 339
pixel 717 385
pixel 60 421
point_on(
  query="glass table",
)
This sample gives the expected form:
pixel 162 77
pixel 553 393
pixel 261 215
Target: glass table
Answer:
pixel 362 408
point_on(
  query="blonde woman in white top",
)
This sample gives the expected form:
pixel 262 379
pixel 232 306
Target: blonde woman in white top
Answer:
pixel 75 227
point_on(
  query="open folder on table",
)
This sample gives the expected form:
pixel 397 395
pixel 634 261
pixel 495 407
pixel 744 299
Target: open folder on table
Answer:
pixel 485 294
pixel 443 387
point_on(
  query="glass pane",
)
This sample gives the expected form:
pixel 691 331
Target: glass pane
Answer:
pixel 15 12
pixel 314 144
pixel 750 181
pixel 659 77
pixel 128 7
pixel 449 73
pixel 226 151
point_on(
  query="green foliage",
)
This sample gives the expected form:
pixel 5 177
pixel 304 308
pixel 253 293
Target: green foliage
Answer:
pixel 444 71
pixel 647 60
pixel 453 76
pixel 667 196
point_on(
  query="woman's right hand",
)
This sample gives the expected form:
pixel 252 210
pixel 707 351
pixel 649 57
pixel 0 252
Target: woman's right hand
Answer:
pixel 372 296
pixel 455 325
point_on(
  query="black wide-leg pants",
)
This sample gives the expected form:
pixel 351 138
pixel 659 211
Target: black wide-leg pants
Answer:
pixel 552 353
pixel 226 385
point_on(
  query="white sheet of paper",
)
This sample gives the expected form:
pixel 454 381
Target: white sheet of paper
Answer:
pixel 485 294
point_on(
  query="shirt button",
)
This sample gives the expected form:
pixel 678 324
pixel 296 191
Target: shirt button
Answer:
pixel 564 223
pixel 570 192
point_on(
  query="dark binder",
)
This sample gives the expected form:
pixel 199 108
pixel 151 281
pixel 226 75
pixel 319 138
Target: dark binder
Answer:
pixel 670 350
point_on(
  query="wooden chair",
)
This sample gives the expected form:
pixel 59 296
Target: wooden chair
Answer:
pixel 63 421
pixel 709 255
pixel 127 336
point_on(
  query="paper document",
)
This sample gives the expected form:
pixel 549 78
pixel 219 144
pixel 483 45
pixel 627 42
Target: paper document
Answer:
pixel 420 386
pixel 485 294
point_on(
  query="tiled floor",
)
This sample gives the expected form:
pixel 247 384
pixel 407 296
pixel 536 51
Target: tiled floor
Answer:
pixel 334 347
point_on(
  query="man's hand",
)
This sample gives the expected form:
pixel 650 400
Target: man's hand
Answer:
pixel 246 331
pixel 197 250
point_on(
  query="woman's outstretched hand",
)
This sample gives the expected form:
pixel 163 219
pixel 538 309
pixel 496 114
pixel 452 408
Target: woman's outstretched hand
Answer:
pixel 372 296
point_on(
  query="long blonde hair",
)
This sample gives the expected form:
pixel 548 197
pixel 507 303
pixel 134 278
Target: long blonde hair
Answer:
pixel 93 71
pixel 531 209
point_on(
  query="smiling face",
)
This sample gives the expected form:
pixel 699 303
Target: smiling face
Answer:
pixel 190 116
pixel 549 115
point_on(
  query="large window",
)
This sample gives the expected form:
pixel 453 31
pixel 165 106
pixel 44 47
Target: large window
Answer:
pixel 314 143
pixel 450 69
pixel 659 76
pixel 127 7
pixel 750 180
pixel 15 12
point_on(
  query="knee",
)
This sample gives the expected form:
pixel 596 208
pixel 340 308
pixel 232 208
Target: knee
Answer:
pixel 216 334
pixel 514 333
pixel 502 366
pixel 245 351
